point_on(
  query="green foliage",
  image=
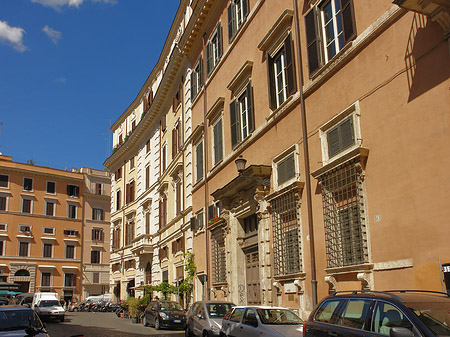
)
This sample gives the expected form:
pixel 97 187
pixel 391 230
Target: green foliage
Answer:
pixel 133 306
pixel 166 289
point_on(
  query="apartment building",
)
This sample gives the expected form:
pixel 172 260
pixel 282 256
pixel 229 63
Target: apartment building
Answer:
pixel 96 232
pixel 46 220
pixel 150 197
pixel 41 228
pixel 311 155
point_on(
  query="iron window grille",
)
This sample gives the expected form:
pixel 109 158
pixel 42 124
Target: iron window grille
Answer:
pixel 286 234
pixel 219 256
pixel 343 207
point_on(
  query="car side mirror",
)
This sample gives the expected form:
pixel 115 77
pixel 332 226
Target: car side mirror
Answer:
pixel 400 332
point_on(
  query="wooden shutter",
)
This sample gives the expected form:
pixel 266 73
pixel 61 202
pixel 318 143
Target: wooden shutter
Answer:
pixel 333 141
pixel 209 56
pixel 244 8
pixel 200 73
pixel 312 42
pixel 199 161
pixel 193 85
pixel 235 124
pixel 231 21
pixel 348 20
pixel 147 177
pixel 193 223
pixel 250 116
pixel 174 142
pixel 346 133
pixel 210 212
pixel 150 98
pixel 219 39
pixel 271 78
pixel 290 68
pixel 174 247
pixel 160 214
pixel 161 253
pixel 182 243
pixel 178 196
pixel 163 122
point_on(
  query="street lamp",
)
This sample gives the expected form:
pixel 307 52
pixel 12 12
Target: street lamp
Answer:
pixel 240 163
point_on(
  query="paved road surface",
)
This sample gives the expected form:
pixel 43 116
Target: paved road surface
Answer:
pixel 102 324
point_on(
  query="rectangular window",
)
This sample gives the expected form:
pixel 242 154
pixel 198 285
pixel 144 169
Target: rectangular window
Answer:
pixel 130 196
pixel 340 137
pixel 3 227
pixel 147 223
pixel 286 237
pixel 96 277
pixel 129 233
pixel 2 247
pixel 70 251
pixel 50 208
pixel 69 280
pixel 196 79
pixel 95 256
pixel 99 189
pixel 24 228
pixel 23 248
pixel 118 201
pixel 343 203
pixel 218 141
pixel 199 161
pixel 51 187
pixel 241 117
pixel 97 214
pixel 197 222
pixel 163 158
pixel 72 211
pixel 214 49
pixel 45 280
pixel 116 237
pixel 147 177
pixel 3 201
pixel 97 234
pixel 176 139
pixel 70 232
pixel 286 169
pixel 131 163
pixel 73 191
pixel 162 212
pixel 4 181
pixel 237 14
pixel 281 74
pixel 219 256
pixel 118 174
pixel 27 184
pixel 26 205
pixel 178 197
pixel 48 248
pixel 329 27
pixel 49 231
pixel 147 146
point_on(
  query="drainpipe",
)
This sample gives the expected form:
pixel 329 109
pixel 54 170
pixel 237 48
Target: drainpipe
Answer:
pixel 205 165
pixel 306 156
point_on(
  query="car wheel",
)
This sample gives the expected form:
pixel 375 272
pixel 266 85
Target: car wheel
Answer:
pixel 157 325
pixel 144 321
pixel 205 334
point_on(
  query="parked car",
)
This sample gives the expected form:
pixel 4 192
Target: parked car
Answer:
pixel 205 318
pixel 167 314
pixel 249 321
pixel 47 305
pixel 16 320
pixel 370 313
pixel 24 299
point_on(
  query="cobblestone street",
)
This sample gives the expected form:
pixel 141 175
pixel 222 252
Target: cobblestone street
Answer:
pixel 99 324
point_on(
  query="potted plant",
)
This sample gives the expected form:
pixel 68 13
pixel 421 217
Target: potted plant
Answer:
pixel 133 309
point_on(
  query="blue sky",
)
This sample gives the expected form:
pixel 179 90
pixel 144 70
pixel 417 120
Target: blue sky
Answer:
pixel 69 69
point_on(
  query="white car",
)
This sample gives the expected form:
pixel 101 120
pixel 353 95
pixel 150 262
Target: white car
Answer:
pixel 252 321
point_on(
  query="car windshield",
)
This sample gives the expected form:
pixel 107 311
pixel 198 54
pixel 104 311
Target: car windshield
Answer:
pixel 278 316
pixel 17 320
pixel 49 303
pixel 436 316
pixel 170 306
pixel 218 309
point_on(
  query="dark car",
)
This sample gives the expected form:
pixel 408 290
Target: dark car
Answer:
pixel 204 318
pixel 404 313
pixel 20 321
pixel 167 314
pixel 5 301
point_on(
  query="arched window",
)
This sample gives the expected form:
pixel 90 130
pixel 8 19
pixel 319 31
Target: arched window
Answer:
pixel 22 272
pixel 148 273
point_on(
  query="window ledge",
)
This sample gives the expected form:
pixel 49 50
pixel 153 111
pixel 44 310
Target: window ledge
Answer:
pixel 357 268
pixel 359 152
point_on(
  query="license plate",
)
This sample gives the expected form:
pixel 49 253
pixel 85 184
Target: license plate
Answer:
pixel 177 321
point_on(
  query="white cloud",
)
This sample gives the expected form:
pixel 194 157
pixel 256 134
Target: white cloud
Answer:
pixel 12 35
pixel 62 80
pixel 57 4
pixel 54 35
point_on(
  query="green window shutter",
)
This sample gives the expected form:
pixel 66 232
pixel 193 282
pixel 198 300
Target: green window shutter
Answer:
pixel 200 73
pixel 231 21
pixel 333 141
pixel 290 68
pixel 209 59
pixel 346 133
pixel 199 157
pixel 348 20
pixel 218 150
pixel 245 8
pixel 312 42
pixel 235 124
pixel 219 39
pixel 271 79
pixel 250 116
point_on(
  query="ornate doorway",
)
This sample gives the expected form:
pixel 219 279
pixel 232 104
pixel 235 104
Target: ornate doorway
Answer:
pixel 252 277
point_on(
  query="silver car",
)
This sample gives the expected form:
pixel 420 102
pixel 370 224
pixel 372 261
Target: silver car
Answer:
pixel 204 318
pixel 252 321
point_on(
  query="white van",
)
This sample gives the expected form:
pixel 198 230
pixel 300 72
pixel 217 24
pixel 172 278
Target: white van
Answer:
pixel 47 305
